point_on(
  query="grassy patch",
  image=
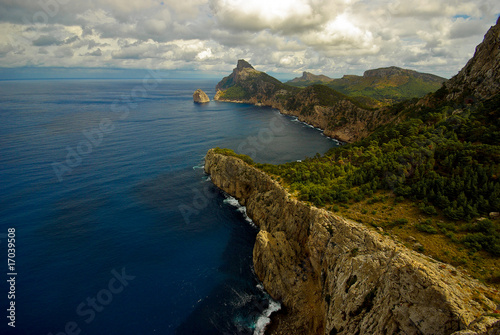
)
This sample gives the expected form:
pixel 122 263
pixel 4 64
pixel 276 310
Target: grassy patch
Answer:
pixel 229 152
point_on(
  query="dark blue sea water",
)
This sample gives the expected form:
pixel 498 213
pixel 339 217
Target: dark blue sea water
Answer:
pixel 117 229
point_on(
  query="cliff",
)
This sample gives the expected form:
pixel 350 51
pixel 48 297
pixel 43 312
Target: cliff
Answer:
pixel 481 75
pixel 336 276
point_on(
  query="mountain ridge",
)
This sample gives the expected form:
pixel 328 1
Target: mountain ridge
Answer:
pixel 377 87
pixel 308 77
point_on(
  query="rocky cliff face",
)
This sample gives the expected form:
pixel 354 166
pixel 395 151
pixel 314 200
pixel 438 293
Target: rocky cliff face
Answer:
pixel 481 76
pixel 240 73
pixel 336 276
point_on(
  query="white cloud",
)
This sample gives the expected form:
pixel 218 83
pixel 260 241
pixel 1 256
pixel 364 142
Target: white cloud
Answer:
pixel 334 37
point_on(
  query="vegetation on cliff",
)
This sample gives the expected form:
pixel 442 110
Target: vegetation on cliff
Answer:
pixel 445 160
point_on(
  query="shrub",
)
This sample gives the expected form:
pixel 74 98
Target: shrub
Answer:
pixel 400 222
pixel 426 228
pixel 430 210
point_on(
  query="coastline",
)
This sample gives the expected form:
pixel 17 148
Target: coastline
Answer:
pixel 282 111
pixel 304 257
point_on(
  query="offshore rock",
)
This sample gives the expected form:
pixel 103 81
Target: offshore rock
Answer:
pixel 200 97
pixel 336 276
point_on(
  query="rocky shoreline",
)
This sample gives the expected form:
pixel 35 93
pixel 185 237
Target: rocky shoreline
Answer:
pixel 335 276
pixel 318 119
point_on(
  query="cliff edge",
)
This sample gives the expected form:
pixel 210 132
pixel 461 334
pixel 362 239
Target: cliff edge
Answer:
pixel 336 276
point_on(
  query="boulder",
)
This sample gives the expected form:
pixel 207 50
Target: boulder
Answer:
pixel 200 97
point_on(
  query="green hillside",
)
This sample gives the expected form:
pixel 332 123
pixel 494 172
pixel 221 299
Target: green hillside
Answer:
pixel 380 87
pixel 429 177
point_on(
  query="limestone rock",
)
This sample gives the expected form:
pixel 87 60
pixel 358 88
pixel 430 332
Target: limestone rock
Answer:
pixel 217 95
pixel 481 76
pixel 200 97
pixel 336 276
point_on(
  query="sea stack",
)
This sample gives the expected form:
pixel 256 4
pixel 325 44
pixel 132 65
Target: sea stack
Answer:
pixel 200 97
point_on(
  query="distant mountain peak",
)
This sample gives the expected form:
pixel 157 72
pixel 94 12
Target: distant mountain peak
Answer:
pixel 384 72
pixel 387 72
pixel 242 70
pixel 242 64
pixel 309 77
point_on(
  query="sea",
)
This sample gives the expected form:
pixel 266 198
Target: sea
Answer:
pixel 108 223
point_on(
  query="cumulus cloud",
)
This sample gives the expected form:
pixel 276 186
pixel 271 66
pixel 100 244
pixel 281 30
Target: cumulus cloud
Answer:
pixel 96 53
pixel 334 37
pixel 5 49
pixel 46 40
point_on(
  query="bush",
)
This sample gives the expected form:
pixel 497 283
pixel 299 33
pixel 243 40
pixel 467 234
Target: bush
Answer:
pixel 399 199
pixel 426 228
pixel 430 210
pixel 229 152
pixel 400 222
pixel 480 241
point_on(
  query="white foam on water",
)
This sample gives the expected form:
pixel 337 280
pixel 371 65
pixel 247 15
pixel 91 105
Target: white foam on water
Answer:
pixel 242 209
pixel 242 299
pixel 265 319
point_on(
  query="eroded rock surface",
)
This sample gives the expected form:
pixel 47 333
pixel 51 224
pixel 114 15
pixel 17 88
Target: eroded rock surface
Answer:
pixel 200 97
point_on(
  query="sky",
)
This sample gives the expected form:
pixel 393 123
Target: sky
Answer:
pixel 287 37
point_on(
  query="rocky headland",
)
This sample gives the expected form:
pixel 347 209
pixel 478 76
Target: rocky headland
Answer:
pixel 336 114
